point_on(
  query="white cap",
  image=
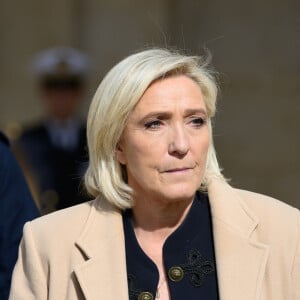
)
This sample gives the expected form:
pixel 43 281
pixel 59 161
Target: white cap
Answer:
pixel 61 61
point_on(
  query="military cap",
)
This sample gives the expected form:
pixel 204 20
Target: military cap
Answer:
pixel 61 66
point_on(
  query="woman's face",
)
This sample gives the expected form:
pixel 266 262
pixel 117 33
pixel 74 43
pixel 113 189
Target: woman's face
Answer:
pixel 165 142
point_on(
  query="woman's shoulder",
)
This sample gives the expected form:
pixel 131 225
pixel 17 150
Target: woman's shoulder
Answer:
pixel 66 222
pixel 225 197
pixel 261 201
pixel 67 225
pixel 269 209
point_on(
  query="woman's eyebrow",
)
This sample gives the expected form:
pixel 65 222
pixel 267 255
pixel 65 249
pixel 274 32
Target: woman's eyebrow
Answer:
pixel 160 113
pixel 192 111
pixel 167 113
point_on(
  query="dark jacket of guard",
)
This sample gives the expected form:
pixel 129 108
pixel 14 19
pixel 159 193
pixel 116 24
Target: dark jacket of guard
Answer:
pixel 57 172
pixel 16 208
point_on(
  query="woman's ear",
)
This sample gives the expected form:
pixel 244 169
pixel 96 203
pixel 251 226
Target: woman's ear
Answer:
pixel 120 155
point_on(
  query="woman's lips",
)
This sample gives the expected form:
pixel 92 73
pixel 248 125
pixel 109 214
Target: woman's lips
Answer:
pixel 178 170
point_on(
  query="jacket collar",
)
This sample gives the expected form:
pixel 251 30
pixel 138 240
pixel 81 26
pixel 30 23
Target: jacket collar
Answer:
pixel 241 259
pixel 104 271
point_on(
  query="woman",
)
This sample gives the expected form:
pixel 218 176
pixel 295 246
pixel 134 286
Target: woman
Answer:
pixel 164 224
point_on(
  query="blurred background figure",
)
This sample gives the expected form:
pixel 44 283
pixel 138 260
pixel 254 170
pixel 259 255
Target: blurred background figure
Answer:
pixel 16 208
pixel 53 151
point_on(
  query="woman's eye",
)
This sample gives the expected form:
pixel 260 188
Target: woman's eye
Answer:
pixel 153 124
pixel 198 122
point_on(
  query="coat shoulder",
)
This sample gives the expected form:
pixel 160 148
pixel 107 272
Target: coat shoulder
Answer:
pixel 276 215
pixel 262 203
pixel 61 227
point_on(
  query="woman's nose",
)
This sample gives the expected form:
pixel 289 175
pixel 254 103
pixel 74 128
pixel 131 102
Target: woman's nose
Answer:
pixel 179 143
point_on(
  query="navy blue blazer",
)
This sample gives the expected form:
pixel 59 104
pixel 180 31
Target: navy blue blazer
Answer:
pixel 16 208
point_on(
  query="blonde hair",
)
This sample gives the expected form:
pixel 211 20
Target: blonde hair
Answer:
pixel 116 97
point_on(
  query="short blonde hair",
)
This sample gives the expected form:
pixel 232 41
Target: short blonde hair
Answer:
pixel 115 98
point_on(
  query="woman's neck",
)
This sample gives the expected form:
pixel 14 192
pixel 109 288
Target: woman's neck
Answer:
pixel 153 222
pixel 159 219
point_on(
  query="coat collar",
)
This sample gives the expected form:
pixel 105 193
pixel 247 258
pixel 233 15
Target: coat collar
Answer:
pixel 241 259
pixel 102 244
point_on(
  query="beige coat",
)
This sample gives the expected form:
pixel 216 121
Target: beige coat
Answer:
pixel 78 253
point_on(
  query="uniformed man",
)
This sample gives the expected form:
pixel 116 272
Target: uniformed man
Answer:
pixel 53 151
pixel 16 208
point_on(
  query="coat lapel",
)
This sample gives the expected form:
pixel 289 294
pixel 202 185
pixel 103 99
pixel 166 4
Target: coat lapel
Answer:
pixel 103 274
pixel 241 259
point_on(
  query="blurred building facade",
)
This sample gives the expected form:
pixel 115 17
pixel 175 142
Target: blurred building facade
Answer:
pixel 255 47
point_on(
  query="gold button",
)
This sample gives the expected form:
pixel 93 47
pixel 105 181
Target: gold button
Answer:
pixel 175 273
pixel 145 296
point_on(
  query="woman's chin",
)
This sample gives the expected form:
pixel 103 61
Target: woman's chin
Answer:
pixel 176 195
